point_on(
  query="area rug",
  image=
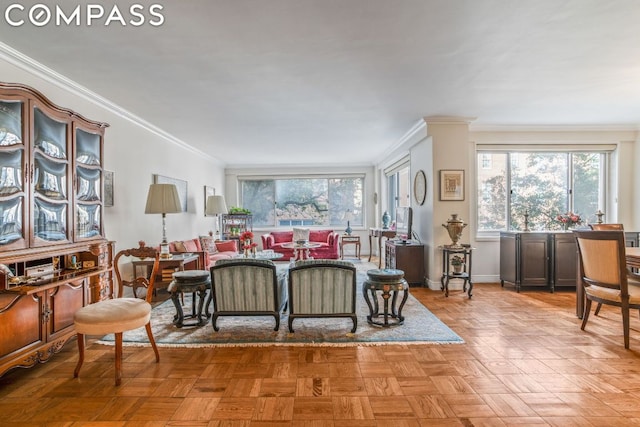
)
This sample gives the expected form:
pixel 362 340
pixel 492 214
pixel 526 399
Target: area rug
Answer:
pixel 420 327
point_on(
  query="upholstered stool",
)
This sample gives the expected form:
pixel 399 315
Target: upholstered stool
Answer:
pixel 389 282
pixel 194 281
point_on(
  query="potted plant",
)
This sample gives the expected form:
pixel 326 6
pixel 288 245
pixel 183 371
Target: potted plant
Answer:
pixel 458 263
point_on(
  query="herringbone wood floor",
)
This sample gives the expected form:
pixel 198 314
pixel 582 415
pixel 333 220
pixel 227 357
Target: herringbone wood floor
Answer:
pixel 525 362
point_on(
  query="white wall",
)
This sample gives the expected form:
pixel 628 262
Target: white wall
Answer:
pixel 133 152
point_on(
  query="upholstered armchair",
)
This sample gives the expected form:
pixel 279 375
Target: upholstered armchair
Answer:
pixel 247 287
pixel 322 288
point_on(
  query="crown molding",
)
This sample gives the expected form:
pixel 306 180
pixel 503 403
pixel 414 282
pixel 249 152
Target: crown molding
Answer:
pixel 43 72
pixel 631 127
pixel 448 120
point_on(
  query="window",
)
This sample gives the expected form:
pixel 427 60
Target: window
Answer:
pixel 286 202
pixel 398 187
pixel 541 184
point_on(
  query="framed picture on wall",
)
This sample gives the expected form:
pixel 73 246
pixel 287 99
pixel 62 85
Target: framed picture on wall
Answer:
pixel 208 191
pixel 108 188
pixel 180 184
pixel 451 185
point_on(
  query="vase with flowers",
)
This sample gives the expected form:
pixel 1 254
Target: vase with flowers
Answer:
pixel 246 239
pixel 569 219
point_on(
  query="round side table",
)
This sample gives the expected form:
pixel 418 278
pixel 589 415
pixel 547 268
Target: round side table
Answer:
pixel 194 281
pixel 389 282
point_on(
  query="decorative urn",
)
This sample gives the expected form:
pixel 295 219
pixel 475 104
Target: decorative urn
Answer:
pixel 454 227
pixel 386 219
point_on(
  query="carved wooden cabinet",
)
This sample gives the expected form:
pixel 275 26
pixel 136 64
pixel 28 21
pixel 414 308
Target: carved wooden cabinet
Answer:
pixel 408 257
pixel 54 257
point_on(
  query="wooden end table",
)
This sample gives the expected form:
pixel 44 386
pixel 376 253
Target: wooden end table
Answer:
pixel 350 240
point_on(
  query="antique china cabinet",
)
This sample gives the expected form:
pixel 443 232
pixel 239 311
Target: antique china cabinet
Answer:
pixel 54 257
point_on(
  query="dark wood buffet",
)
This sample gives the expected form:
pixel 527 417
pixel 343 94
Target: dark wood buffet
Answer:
pixel 54 257
pixel 542 258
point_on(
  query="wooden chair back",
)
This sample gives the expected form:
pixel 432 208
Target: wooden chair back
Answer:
pixel 605 227
pixel 137 282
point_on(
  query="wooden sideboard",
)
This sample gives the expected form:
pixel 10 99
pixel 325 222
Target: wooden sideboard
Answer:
pixel 542 258
pixel 54 257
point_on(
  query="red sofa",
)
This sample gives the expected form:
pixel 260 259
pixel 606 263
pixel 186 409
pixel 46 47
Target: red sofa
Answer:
pixel 211 249
pixel 328 239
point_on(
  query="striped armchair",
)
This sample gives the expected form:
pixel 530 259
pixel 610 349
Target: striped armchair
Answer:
pixel 247 287
pixel 322 288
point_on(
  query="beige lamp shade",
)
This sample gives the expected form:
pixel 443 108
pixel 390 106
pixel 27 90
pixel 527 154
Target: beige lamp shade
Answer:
pixel 163 199
pixel 216 205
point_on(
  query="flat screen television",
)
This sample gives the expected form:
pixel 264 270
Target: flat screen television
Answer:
pixel 404 220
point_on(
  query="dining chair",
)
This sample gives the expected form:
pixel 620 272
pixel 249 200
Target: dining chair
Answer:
pixel 603 274
pixel 114 316
pixel 632 277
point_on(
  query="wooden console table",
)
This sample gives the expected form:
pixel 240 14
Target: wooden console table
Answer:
pixel 379 233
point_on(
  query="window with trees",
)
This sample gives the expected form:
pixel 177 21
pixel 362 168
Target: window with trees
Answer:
pixel 318 201
pixel 541 184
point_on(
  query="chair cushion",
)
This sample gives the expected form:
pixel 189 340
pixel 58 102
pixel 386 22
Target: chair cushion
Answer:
pixel 110 316
pixel 613 294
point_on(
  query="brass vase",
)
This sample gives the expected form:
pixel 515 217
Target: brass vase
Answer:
pixel 454 227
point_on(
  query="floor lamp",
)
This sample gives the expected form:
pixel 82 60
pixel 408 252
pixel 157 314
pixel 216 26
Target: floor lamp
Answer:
pixel 163 199
pixel 216 206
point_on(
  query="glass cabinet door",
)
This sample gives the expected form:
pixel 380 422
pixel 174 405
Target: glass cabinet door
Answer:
pixel 12 191
pixel 89 185
pixel 49 178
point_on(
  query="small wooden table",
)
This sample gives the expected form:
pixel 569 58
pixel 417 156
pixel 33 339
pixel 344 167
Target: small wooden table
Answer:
pixel 389 282
pixel 349 240
pixel 190 281
pixel 464 252
pixel 379 233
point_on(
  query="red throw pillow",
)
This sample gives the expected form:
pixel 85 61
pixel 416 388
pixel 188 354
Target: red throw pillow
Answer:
pixel 227 246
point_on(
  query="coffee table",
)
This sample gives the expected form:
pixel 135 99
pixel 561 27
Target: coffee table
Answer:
pixel 301 250
pixel 273 256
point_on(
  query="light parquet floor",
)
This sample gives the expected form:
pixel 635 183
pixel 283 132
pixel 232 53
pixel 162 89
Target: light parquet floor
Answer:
pixel 525 363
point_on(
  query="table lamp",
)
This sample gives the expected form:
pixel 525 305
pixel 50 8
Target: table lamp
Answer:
pixel 216 206
pixel 163 199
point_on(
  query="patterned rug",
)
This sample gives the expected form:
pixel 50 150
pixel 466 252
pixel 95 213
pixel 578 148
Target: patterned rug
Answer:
pixel 420 327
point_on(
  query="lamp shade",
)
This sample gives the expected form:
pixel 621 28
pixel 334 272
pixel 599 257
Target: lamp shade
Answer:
pixel 163 199
pixel 216 205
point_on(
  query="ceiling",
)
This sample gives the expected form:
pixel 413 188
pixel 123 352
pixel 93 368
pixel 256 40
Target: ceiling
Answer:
pixel 342 81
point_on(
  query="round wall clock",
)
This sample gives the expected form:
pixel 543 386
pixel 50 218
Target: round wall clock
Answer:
pixel 420 187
